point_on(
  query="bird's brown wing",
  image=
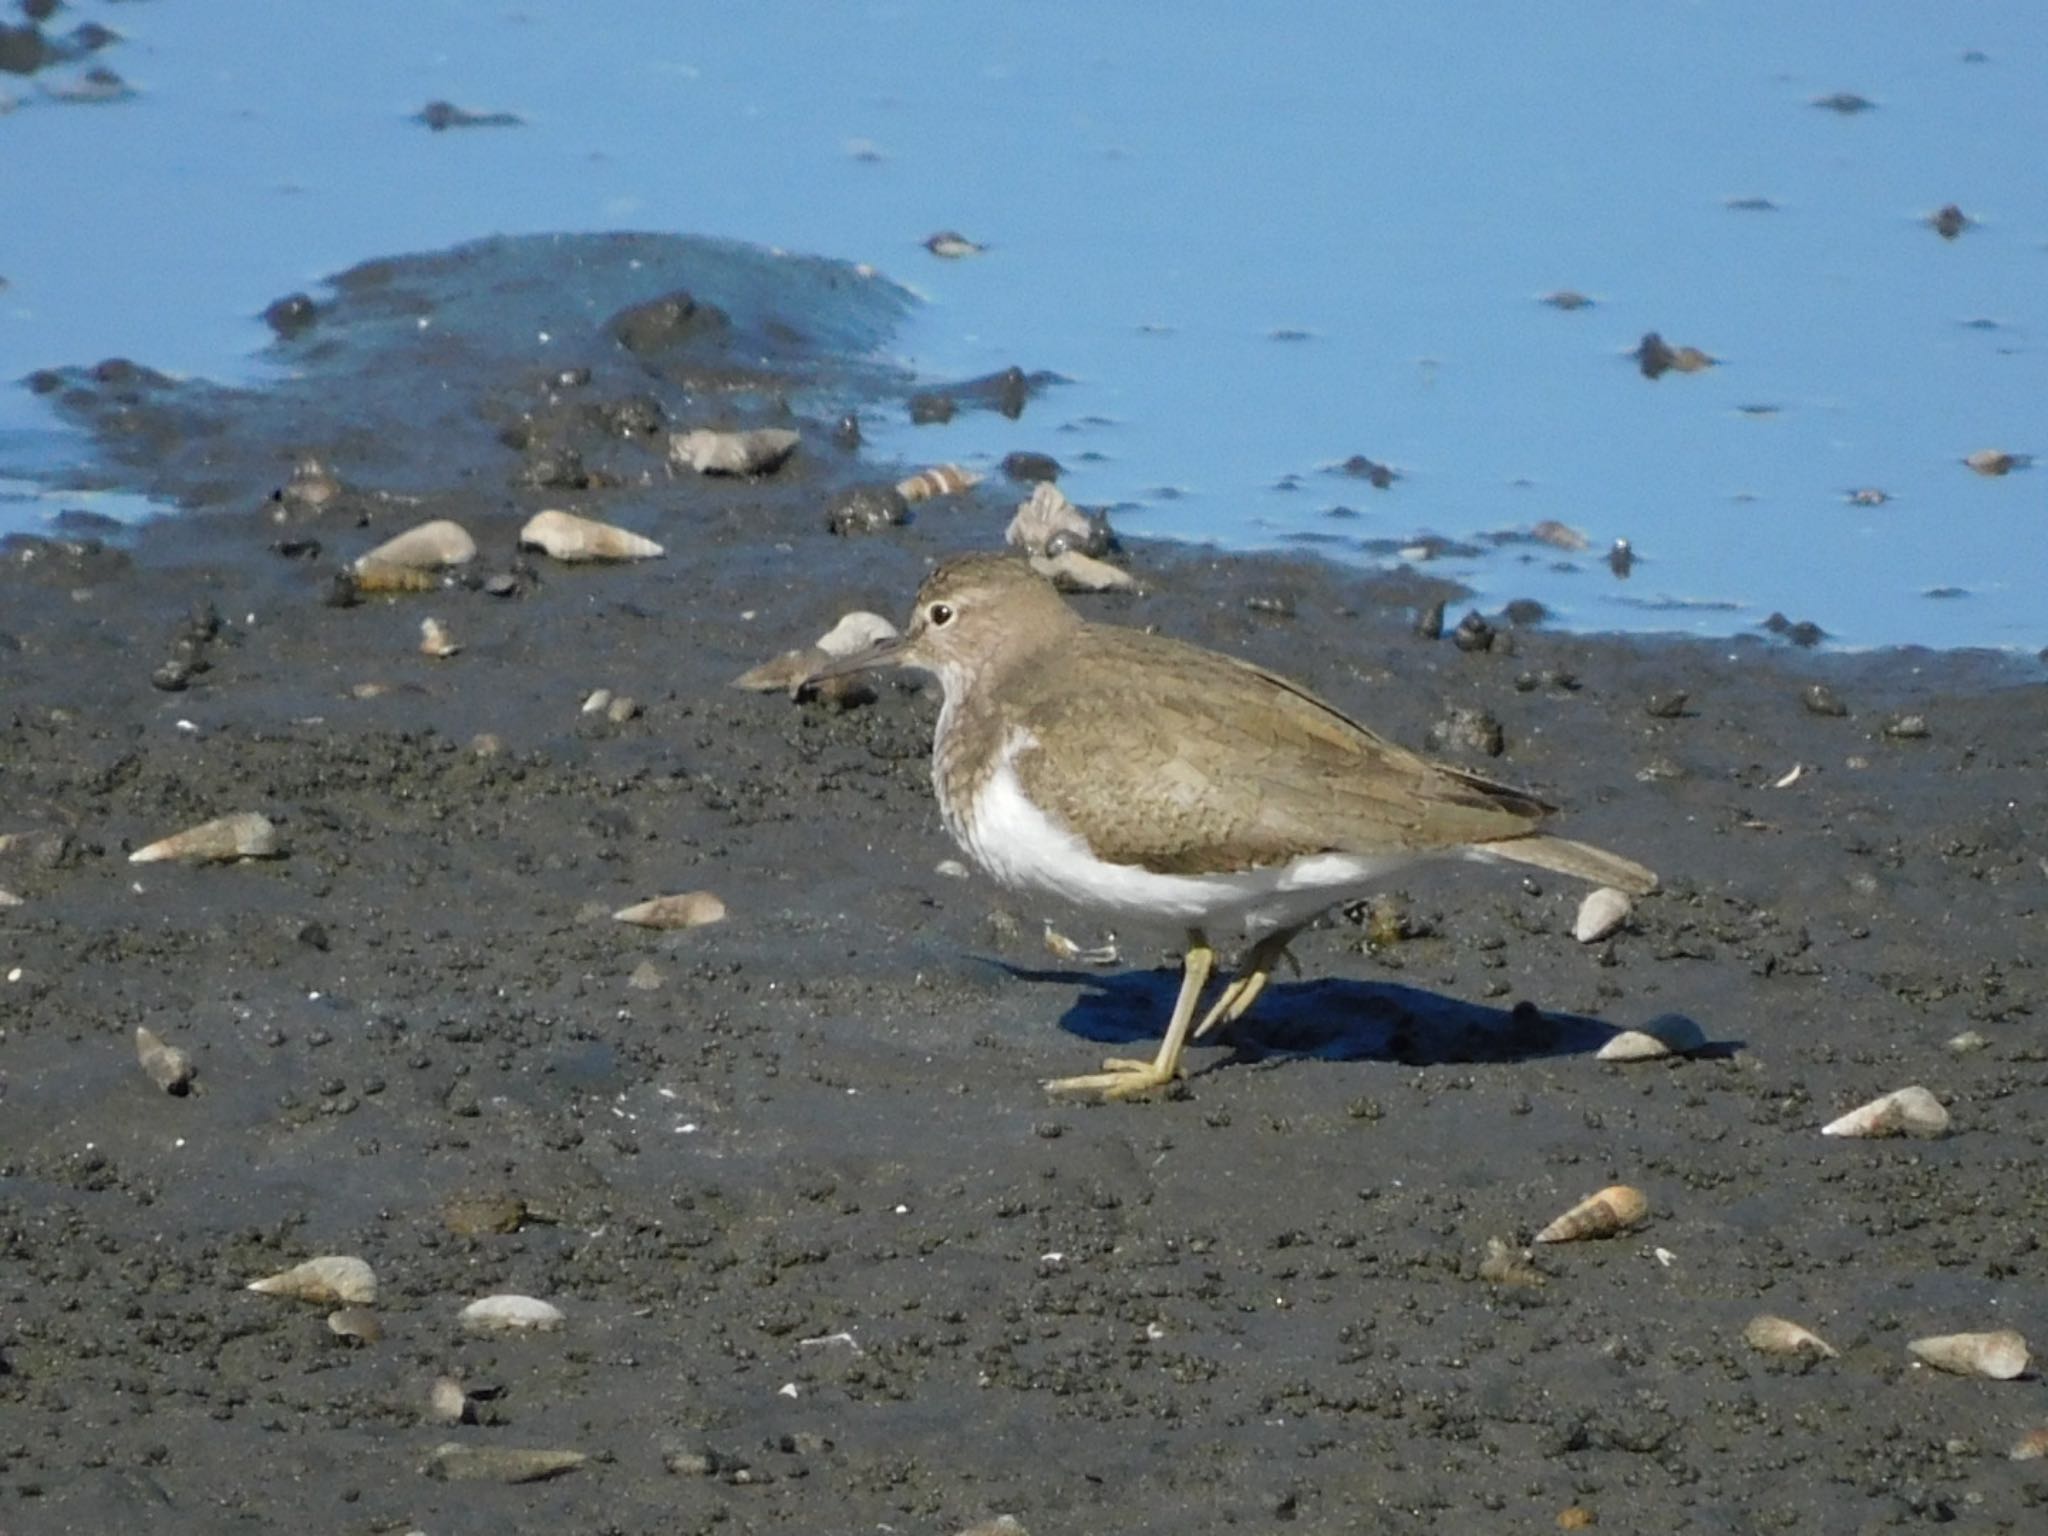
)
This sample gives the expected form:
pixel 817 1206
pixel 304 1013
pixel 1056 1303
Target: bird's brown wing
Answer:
pixel 1236 767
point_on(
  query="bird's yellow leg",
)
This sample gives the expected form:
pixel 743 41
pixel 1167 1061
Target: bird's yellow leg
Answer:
pixel 1249 982
pixel 1120 1079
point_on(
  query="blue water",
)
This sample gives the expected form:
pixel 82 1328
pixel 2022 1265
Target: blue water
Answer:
pixel 1258 239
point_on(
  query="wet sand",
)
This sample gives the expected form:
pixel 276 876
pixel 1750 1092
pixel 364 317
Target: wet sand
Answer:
pixel 830 1257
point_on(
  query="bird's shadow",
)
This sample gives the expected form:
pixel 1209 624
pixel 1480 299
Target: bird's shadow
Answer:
pixel 1333 1019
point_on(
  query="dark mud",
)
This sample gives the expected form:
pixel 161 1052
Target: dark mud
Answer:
pixel 830 1257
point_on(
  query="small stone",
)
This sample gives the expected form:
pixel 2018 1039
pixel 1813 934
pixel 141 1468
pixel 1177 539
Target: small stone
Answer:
pixel 1820 699
pixel 1666 706
pixel 866 509
pixel 1473 634
pixel 1907 728
pixel 1429 622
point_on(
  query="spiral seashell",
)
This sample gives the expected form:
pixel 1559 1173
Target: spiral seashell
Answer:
pixel 456 1462
pixel 331 1280
pixel 1777 1336
pixel 1999 1356
pixel 759 452
pixel 694 909
pixel 1904 1112
pixel 577 540
pixel 1614 1209
pixel 1602 913
pixel 511 1314
pixel 1072 571
pixel 940 480
pixel 245 836
pixel 429 547
pixel 168 1067
pixel 1670 1034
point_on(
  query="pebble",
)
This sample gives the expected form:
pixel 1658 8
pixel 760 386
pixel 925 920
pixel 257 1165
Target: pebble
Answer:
pixel 1907 728
pixel 1820 699
pixel 511 1314
pixel 866 509
pixel 1429 622
pixel 1473 634
pixel 355 1325
pixel 1666 706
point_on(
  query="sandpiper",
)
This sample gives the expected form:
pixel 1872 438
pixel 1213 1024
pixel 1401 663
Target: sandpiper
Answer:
pixel 1151 780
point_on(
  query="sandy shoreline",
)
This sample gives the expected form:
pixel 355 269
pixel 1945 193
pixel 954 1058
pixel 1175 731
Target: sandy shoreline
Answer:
pixel 1259 1300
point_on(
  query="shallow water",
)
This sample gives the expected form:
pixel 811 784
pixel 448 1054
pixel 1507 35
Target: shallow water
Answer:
pixel 1255 248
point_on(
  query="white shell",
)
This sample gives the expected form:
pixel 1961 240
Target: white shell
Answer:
pixel 435 640
pixel 1904 1112
pixel 1614 1209
pixel 245 836
pixel 855 632
pixel 168 1067
pixel 1600 914
pixel 511 1314
pixel 448 1403
pixel 2000 1356
pixel 1044 514
pixel 428 547
pixel 333 1279
pixel 1670 1034
pixel 1072 571
pixel 693 909
pixel 733 453
pixel 1779 1336
pixel 781 673
pixel 574 540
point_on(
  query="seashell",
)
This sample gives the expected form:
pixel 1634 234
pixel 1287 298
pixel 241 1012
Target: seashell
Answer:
pixel 939 480
pixel 1043 514
pixel 311 486
pixel 952 245
pixel 2000 1356
pixel 168 1067
pixel 245 836
pixel 2031 1446
pixel 1990 461
pixel 1072 571
pixel 1670 1034
pixel 1600 914
pixel 1776 1336
pixel 1868 496
pixel 330 1280
pixel 693 909
pixel 9 899
pixel 782 673
pixel 759 452
pixel 1060 947
pixel 599 701
pixel 1615 1209
pixel 448 1403
pixel 455 1462
pixel 1560 535
pixel 475 1214
pixel 511 1314
pixel 576 540
pixel 435 640
pixel 429 547
pixel 855 632
pixel 358 1325
pixel 1969 1040
pixel 622 708
pixel 1505 1265
pixel 375 576
pixel 1905 1112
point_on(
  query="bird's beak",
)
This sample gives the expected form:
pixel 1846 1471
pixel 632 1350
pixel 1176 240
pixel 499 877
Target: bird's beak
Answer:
pixel 886 653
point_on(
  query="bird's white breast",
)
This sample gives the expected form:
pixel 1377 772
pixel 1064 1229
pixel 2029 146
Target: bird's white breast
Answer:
pixel 1021 846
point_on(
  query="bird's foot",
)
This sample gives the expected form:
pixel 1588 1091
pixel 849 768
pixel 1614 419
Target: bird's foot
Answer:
pixel 1118 1079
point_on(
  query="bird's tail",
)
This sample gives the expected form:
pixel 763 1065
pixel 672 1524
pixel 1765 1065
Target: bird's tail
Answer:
pixel 1582 861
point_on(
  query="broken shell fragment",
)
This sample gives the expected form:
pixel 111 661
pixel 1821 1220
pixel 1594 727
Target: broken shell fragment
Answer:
pixel 855 632
pixel 782 673
pixel 331 1280
pixel 1778 1336
pixel 1601 914
pixel 455 1462
pixel 2031 1446
pixel 1507 1265
pixel 168 1067
pixel 244 836
pixel 1998 1356
pixel 448 1403
pixel 692 909
pixel 1072 571
pixel 429 547
pixel 1046 516
pixel 1060 947
pixel 511 1314
pixel 759 452
pixel 435 640
pixel 356 1325
pixel 1905 1112
pixel 1614 1209
pixel 939 480
pixel 1670 1034
pixel 575 540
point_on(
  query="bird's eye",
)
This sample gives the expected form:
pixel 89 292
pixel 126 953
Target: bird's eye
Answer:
pixel 940 615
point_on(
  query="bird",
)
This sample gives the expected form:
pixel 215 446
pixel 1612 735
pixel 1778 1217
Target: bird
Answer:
pixel 1152 780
